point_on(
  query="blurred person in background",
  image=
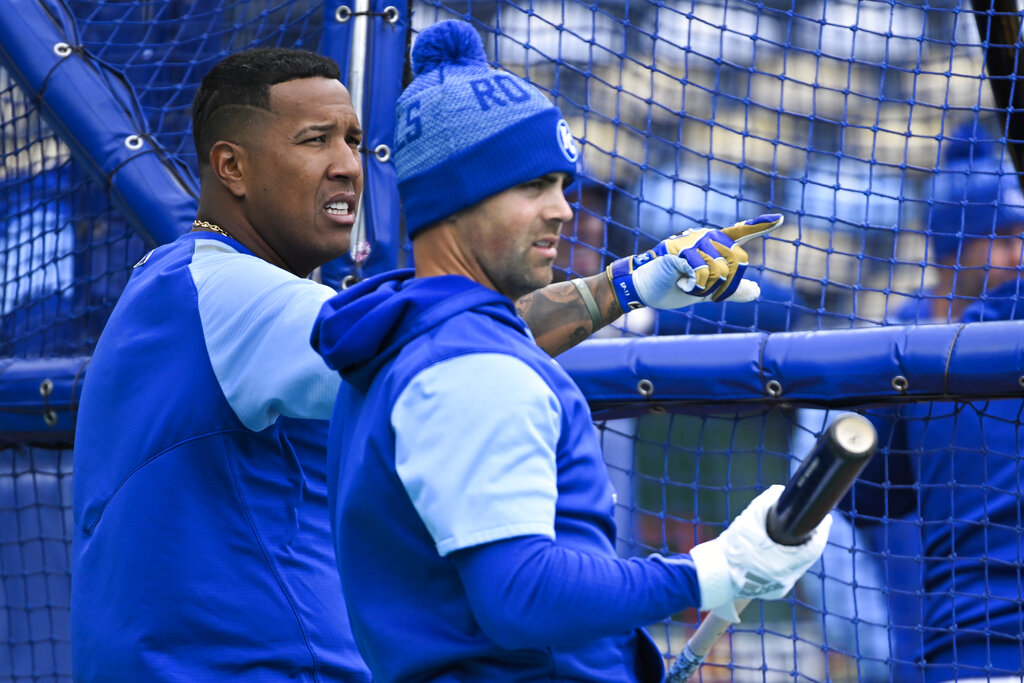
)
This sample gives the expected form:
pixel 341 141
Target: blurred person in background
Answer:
pixel 949 477
pixel 976 214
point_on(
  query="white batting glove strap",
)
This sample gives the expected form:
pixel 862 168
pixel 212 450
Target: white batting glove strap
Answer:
pixel 714 577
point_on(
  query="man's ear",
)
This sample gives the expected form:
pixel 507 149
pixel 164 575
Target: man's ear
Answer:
pixel 227 164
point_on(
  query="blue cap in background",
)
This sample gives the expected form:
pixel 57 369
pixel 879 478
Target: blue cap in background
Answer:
pixel 976 193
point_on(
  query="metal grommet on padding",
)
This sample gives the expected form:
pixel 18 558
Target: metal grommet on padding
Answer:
pixel 900 383
pixel 645 387
pixel 342 14
pixel 49 414
pixel 773 387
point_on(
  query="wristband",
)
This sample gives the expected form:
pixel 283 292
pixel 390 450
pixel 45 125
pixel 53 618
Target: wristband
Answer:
pixel 620 274
pixel 588 299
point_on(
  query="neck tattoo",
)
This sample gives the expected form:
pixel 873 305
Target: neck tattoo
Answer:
pixel 204 225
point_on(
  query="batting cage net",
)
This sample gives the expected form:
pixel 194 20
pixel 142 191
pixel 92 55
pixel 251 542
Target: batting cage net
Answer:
pixel 885 132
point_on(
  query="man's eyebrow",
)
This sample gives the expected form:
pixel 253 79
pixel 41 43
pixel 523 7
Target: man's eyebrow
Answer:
pixel 315 128
pixel 325 128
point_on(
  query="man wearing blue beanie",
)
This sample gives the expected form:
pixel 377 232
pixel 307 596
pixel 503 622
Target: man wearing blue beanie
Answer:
pixel 471 508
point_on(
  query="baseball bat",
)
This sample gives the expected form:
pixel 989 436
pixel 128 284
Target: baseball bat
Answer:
pixel 999 31
pixel 821 480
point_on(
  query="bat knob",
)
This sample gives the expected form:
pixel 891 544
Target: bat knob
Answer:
pixel 853 436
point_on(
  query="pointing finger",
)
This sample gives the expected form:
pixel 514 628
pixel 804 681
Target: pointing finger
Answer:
pixel 745 231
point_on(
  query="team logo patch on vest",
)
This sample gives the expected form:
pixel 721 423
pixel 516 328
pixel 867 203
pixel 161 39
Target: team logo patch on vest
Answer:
pixel 567 142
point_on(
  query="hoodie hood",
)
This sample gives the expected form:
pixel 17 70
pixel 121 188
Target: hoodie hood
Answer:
pixel 363 327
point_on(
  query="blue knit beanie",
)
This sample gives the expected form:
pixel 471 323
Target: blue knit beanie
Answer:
pixel 975 195
pixel 465 132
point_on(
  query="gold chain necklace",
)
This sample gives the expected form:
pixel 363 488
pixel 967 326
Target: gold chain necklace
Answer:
pixel 204 225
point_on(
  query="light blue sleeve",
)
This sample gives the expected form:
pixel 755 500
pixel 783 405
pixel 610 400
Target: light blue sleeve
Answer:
pixel 475 449
pixel 256 321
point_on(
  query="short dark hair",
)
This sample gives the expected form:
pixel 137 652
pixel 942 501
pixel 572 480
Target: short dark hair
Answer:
pixel 243 80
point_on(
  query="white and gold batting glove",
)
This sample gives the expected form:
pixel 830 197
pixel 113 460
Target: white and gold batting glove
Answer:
pixel 744 562
pixel 705 264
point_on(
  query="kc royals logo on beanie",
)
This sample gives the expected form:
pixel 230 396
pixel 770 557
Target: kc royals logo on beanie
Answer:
pixel 465 131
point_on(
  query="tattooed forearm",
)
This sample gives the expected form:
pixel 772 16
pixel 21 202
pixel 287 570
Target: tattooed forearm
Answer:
pixel 559 318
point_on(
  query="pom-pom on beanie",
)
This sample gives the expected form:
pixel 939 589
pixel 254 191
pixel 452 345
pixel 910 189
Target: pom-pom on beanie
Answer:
pixel 975 194
pixel 465 132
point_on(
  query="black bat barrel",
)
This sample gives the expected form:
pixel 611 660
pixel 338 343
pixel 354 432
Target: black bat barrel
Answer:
pixel 824 476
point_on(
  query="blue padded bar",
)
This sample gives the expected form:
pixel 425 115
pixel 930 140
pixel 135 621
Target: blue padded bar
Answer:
pixel 94 110
pixel 38 397
pixel 831 368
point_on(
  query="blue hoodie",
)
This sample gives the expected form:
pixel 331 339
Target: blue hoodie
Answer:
pixel 966 471
pixel 470 461
pixel 971 473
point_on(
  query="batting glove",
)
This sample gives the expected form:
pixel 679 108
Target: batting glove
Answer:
pixel 694 266
pixel 744 562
